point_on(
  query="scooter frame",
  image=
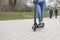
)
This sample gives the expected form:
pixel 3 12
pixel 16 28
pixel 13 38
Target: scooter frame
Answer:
pixel 34 27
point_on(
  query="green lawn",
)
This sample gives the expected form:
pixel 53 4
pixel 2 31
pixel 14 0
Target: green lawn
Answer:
pixel 15 15
pixel 18 15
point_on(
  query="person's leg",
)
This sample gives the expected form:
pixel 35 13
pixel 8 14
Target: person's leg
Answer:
pixel 50 15
pixel 39 12
pixel 42 10
pixel 55 15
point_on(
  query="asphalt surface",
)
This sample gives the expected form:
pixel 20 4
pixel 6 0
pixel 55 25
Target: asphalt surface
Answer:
pixel 22 30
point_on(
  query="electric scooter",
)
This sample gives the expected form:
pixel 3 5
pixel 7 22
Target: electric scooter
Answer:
pixel 35 26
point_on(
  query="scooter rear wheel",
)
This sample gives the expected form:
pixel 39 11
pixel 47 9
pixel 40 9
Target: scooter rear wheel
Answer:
pixel 42 25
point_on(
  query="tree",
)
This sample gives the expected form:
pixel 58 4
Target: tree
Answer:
pixel 15 1
pixel 0 5
pixel 12 4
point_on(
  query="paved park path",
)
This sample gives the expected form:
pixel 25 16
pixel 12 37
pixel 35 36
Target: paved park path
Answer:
pixel 22 30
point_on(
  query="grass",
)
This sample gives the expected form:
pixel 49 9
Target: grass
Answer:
pixel 15 15
pixel 18 15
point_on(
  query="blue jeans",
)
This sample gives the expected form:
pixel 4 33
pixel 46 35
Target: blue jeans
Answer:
pixel 40 8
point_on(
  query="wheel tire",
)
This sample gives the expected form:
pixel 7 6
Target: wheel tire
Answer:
pixel 34 27
pixel 43 25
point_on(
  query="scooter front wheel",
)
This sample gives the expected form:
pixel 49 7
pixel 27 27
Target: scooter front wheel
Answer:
pixel 34 27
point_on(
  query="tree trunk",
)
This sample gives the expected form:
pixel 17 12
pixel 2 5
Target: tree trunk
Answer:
pixel 12 5
pixel 15 1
